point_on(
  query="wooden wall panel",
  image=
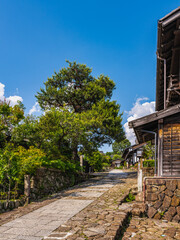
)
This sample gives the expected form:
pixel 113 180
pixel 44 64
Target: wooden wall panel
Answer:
pixel 171 149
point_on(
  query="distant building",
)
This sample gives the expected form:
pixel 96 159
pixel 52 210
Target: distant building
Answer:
pixel 133 153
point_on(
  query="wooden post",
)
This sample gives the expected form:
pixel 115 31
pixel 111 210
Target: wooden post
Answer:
pixel 81 162
pixel 27 187
pixel 160 147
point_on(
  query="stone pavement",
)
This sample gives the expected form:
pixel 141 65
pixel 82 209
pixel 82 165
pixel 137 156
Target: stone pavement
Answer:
pixel 43 221
pixel 151 229
pixel 103 218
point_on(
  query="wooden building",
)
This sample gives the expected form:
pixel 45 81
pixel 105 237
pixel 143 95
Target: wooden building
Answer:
pixel 133 154
pixel 163 126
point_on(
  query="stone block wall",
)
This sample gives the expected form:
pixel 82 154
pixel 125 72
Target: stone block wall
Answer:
pixel 48 181
pixel 148 171
pixel 163 198
pixel 6 206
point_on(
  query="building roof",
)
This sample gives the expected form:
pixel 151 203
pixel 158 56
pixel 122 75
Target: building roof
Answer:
pixel 168 47
pixel 150 122
pixel 131 149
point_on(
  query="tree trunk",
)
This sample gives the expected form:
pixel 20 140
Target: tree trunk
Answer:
pixel 75 156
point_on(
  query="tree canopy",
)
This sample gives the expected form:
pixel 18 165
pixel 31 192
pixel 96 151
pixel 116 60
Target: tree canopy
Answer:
pixel 119 147
pixel 83 104
pixel 75 87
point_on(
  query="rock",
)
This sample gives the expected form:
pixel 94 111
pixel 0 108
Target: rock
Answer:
pixel 172 211
pixel 16 204
pixel 176 219
pixel 155 181
pixel 178 210
pixel 91 232
pixel 171 185
pixel 157 205
pixel 161 196
pixel 11 205
pixel 151 196
pixel 162 188
pixel 157 216
pixel 167 216
pixel 175 201
pixel 177 193
pixel 166 202
pixel 151 212
pixel 152 188
pixel 169 193
pixel 170 232
pixel 139 197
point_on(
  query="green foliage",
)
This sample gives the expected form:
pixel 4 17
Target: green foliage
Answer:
pixel 15 163
pixel 27 133
pixel 64 166
pixel 121 167
pixel 78 116
pixel 149 163
pixel 130 197
pixel 119 147
pixel 88 118
pixel 9 118
pixel 97 161
pixel 148 151
pixel 117 157
pixel 75 88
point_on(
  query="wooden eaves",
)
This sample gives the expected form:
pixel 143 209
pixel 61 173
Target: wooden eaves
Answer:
pixel 129 150
pixel 168 48
pixel 150 122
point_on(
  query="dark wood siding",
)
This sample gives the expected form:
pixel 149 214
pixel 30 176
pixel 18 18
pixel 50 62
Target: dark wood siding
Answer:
pixel 171 149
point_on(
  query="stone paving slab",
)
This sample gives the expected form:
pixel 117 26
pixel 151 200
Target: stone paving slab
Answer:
pixel 42 221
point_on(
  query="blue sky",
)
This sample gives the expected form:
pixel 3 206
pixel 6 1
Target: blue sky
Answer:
pixel 116 38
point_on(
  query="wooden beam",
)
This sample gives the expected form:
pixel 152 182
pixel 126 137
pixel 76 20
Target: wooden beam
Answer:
pixel 155 116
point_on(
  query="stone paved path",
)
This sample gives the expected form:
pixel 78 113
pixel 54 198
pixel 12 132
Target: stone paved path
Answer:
pixel 41 222
pixel 151 229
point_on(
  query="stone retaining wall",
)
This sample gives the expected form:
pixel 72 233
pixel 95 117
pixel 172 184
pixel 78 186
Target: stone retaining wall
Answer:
pixel 6 206
pixel 48 181
pixel 163 198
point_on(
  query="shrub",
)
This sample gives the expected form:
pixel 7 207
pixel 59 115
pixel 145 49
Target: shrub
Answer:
pixel 149 163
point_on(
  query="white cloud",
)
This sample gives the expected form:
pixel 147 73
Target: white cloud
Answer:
pixel 2 86
pixel 12 99
pixel 36 108
pixel 138 110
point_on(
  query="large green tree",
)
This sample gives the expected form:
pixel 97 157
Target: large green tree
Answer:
pixel 87 117
pixel 76 88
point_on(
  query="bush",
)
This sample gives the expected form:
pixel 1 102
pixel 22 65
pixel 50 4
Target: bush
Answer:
pixel 149 163
pixel 64 166
pixel 14 164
